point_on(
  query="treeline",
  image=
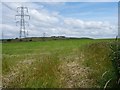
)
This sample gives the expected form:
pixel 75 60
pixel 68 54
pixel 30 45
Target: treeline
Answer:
pixel 41 39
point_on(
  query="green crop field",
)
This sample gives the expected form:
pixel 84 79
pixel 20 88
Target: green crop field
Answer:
pixel 57 64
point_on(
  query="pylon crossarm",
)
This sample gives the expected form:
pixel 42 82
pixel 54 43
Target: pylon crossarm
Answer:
pixel 27 16
pixel 25 8
pixel 18 8
pixel 16 16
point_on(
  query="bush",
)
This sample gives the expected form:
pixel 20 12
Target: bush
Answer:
pixel 9 40
pixel 21 40
pixel 30 40
pixel 115 57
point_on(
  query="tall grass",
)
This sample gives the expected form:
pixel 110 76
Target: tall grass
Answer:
pixel 41 73
pixel 15 52
pixel 36 64
pixel 0 64
pixel 45 57
pixel 97 58
pixel 115 58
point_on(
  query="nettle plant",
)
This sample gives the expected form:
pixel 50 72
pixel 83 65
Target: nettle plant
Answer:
pixel 115 58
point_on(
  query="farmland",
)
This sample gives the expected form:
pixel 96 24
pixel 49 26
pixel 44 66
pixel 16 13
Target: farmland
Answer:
pixel 57 64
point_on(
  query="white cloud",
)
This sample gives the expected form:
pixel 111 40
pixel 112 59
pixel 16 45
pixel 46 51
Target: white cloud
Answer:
pixel 9 28
pixel 77 23
pixel 9 31
pixel 53 23
pixel 43 17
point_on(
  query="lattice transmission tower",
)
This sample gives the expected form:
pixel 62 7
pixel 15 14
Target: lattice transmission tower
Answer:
pixel 22 14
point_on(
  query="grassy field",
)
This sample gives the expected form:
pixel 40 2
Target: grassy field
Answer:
pixel 57 64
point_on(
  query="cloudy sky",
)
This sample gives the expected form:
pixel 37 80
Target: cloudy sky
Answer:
pixel 71 19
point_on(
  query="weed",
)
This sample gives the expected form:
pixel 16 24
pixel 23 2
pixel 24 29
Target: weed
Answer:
pixel 97 58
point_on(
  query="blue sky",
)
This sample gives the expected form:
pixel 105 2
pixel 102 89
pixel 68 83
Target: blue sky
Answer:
pixel 86 10
pixel 72 19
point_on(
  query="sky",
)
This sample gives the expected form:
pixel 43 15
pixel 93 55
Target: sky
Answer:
pixel 70 19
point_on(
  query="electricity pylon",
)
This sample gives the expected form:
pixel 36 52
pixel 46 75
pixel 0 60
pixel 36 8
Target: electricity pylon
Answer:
pixel 22 14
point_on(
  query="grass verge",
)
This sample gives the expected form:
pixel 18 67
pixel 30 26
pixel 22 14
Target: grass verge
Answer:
pixel 97 58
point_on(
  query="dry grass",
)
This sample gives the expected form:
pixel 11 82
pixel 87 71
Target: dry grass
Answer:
pixel 54 64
